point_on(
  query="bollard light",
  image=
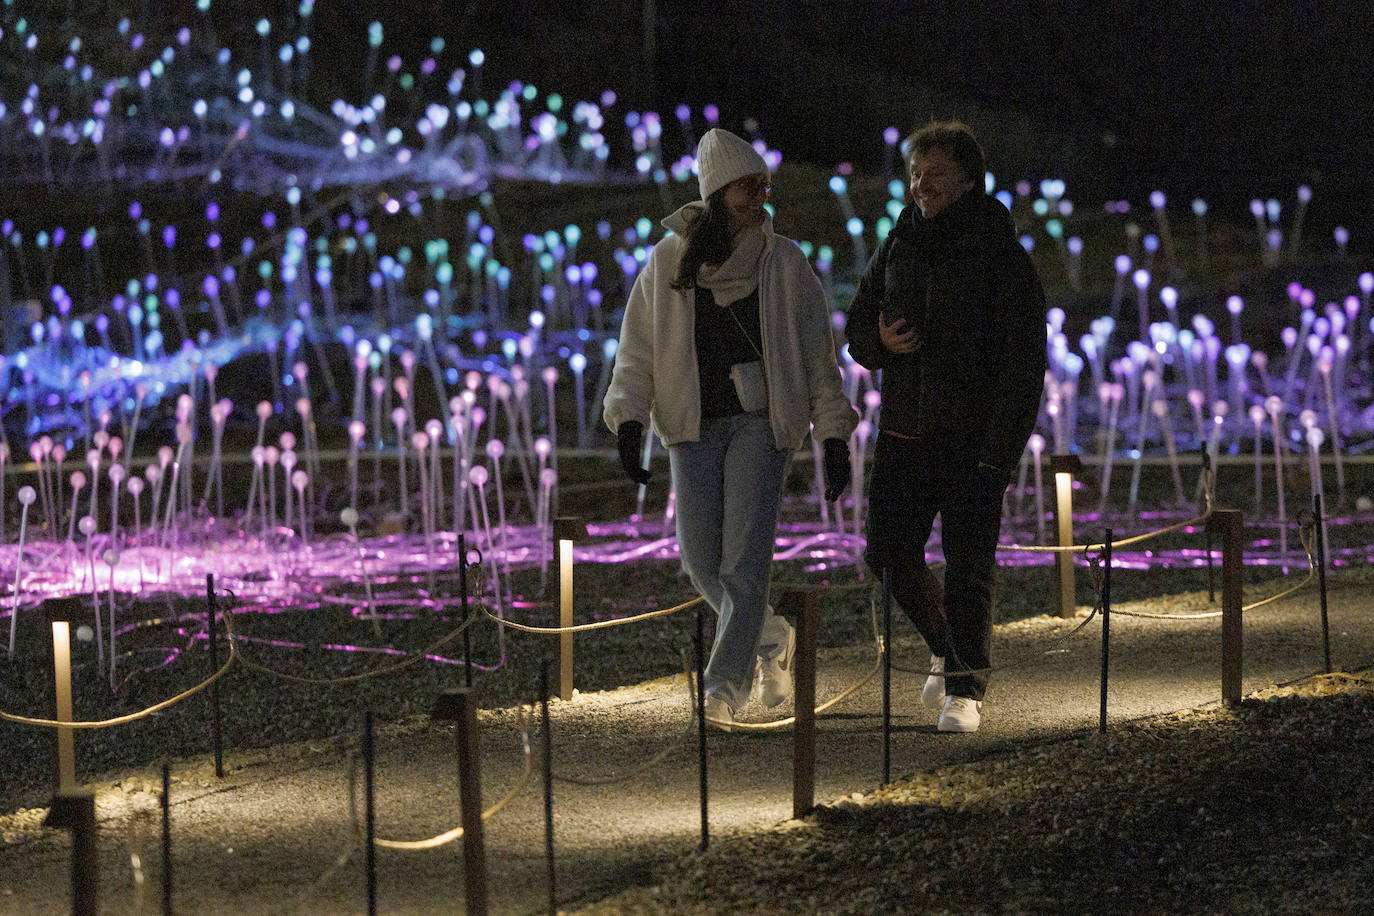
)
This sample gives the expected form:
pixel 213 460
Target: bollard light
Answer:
pixel 1064 467
pixel 567 530
pixel 62 672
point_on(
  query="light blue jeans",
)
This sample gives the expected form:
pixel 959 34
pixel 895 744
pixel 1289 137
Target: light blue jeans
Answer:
pixel 728 487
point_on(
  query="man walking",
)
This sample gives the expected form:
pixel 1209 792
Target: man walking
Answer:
pixel 953 313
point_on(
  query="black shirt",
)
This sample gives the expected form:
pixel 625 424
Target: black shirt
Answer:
pixel 721 342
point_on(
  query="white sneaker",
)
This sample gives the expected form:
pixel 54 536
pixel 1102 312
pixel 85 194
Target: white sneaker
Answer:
pixel 933 694
pixel 960 714
pixel 719 713
pixel 773 678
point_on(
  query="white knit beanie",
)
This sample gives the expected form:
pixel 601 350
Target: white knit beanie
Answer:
pixel 723 157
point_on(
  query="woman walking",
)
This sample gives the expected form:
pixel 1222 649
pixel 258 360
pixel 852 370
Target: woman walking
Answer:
pixel 726 349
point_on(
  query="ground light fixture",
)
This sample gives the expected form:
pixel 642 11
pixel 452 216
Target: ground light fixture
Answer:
pixel 567 530
pixel 1064 467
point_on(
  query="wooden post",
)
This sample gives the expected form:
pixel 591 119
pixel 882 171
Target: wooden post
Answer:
pixel 459 706
pixel 166 840
pixel 75 811
pixel 1064 467
pixel 804 704
pixel 1230 528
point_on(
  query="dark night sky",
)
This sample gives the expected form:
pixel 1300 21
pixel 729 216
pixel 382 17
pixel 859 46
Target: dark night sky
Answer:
pixel 1215 97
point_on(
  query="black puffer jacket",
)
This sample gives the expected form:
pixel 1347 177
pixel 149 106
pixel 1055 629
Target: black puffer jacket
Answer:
pixel 971 393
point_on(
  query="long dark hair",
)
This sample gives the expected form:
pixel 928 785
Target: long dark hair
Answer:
pixel 707 242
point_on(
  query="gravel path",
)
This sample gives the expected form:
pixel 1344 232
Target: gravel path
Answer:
pixel 267 838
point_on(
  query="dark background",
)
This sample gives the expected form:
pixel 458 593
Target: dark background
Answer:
pixel 1228 100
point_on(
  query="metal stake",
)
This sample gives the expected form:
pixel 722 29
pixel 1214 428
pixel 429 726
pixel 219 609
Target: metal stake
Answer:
pixel 369 815
pixel 216 736
pixel 1106 627
pixel 699 644
pixel 887 676
pixel 548 785
pixel 1320 523
pixel 463 590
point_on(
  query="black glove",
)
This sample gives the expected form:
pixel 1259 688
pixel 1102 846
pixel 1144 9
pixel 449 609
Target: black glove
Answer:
pixel 629 439
pixel 836 468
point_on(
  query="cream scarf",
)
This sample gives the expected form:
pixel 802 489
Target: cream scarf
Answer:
pixel 739 275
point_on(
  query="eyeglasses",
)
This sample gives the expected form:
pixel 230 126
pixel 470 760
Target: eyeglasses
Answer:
pixel 753 185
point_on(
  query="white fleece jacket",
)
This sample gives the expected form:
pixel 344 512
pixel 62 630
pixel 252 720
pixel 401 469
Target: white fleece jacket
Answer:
pixel 655 377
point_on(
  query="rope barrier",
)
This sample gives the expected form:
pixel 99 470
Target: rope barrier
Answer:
pixel 1304 535
pixel 456 833
pixel 657 758
pixel 736 725
pixel 599 625
pixel 1126 542
pixel 621 621
pixel 144 713
pixel 1029 659
pixel 377 672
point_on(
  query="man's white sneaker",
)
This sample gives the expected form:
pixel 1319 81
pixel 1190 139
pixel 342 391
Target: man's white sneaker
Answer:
pixel 719 713
pixel 933 694
pixel 961 714
pixel 773 682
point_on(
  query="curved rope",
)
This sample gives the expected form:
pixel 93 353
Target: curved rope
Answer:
pixel 1096 573
pixel 456 833
pixel 143 713
pixel 654 760
pixel 1304 534
pixel 1207 484
pixel 736 725
pixel 599 625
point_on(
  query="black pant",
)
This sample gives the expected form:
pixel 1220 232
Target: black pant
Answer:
pixel 905 494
